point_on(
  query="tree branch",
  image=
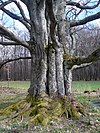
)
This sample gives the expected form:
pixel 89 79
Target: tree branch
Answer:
pixel 25 2
pixel 21 11
pixel 94 56
pixel 14 16
pixel 12 44
pixel 14 38
pixel 5 3
pixel 85 20
pixel 10 60
pixel 78 5
pixel 81 66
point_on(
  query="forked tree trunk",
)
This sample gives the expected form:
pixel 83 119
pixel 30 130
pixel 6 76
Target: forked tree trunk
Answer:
pixel 47 68
pixel 56 80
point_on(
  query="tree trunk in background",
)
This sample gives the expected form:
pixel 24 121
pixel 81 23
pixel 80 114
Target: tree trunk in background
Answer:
pixel 90 73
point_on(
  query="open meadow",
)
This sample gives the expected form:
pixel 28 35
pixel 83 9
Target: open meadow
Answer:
pixel 86 92
pixel 76 85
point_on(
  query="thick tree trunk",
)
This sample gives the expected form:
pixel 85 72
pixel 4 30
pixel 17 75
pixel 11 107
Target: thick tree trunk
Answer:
pixel 39 40
pixel 38 75
pixel 47 74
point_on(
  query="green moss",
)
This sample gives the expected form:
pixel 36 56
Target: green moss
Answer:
pixel 72 60
pixel 34 120
pixel 81 109
pixel 45 121
pixel 8 110
pixel 66 57
pixel 74 112
pixel 42 109
pixel 56 109
pixel 43 118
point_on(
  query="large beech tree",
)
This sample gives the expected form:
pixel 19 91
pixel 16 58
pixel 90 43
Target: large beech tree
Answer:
pixel 50 36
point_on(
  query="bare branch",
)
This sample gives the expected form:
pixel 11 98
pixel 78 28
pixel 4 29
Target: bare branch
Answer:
pixel 5 3
pixel 25 2
pixel 85 20
pixel 14 16
pixel 10 60
pixel 21 11
pixel 13 37
pixel 81 66
pixel 12 44
pixel 78 5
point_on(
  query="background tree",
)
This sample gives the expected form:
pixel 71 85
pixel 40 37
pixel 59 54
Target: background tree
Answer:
pixel 87 41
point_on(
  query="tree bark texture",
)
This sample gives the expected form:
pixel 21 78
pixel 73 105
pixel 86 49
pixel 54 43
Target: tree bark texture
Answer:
pixel 51 73
pixel 47 44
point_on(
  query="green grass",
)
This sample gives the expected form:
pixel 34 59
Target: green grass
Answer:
pixel 15 84
pixel 85 85
pixel 8 100
pixel 76 85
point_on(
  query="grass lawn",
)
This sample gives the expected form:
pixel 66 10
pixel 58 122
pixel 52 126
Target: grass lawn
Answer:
pixel 15 84
pixel 85 85
pixel 76 85
pixel 11 95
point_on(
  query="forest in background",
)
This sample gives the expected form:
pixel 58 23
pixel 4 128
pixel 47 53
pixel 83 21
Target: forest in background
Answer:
pixel 87 40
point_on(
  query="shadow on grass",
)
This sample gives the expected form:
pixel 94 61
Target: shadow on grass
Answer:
pixel 9 100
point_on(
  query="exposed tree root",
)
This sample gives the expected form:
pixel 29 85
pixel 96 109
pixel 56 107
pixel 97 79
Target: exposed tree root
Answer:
pixel 43 109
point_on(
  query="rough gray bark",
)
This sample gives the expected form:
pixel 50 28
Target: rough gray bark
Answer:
pixel 59 71
pixel 63 30
pixel 38 76
pixel 67 79
pixel 51 74
pixel 38 37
